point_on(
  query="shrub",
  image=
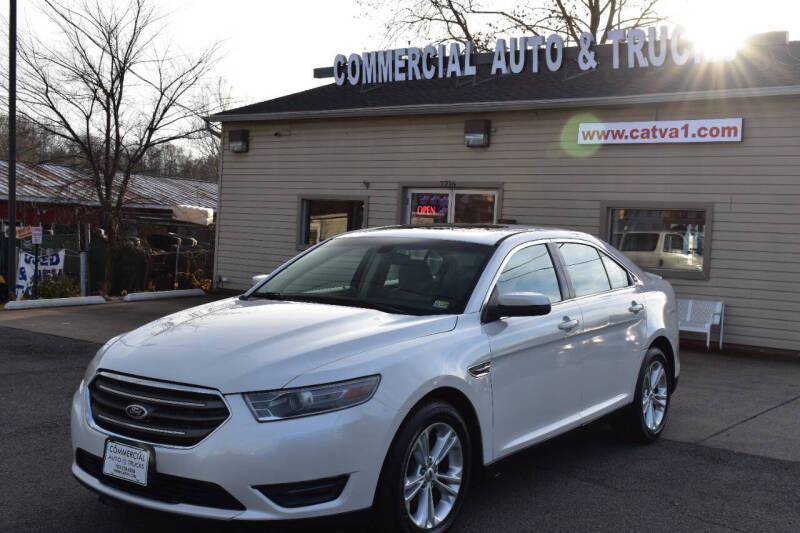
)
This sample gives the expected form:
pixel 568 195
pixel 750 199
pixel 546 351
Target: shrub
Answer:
pixel 58 287
pixel 129 266
pixel 196 280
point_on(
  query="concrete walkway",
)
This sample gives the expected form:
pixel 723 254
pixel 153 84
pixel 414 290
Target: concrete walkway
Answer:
pixel 746 404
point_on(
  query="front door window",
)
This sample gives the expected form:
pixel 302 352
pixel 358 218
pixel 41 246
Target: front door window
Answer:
pixel 462 206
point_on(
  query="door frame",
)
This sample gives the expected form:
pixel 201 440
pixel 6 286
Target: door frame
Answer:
pixel 402 215
pixel 568 304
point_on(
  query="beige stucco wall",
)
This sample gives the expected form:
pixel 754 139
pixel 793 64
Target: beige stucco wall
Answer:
pixel 754 187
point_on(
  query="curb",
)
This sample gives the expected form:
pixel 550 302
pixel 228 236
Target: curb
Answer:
pixel 54 302
pixel 158 295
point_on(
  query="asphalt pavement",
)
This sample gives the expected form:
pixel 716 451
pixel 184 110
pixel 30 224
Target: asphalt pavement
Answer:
pixel 724 473
pixel 97 323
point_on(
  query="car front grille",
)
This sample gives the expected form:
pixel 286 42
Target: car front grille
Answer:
pixel 163 487
pixel 154 413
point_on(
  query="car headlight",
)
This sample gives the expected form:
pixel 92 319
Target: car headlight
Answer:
pixel 303 401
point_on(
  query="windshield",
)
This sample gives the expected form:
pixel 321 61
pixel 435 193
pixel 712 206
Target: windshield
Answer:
pixel 397 275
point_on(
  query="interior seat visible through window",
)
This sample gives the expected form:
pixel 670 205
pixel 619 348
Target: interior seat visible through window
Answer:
pixel 414 276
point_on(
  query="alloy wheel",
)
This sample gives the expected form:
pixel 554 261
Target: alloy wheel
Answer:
pixel 433 475
pixel 654 396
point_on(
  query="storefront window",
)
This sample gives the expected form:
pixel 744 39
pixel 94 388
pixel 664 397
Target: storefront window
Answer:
pixel 433 206
pixel 660 239
pixel 429 207
pixel 474 208
pixel 323 219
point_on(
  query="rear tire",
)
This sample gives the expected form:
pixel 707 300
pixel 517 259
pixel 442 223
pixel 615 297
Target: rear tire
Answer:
pixel 426 472
pixel 644 420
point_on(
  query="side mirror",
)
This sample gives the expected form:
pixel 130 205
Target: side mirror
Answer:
pixel 516 304
pixel 259 278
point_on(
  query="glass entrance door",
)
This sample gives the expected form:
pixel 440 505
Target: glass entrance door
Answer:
pixel 461 206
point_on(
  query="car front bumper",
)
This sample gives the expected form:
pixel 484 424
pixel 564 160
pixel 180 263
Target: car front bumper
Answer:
pixel 242 454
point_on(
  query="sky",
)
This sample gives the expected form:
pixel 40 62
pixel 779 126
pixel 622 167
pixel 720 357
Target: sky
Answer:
pixel 270 47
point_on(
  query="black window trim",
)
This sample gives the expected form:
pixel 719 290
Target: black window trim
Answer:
pixel 300 243
pixel 606 206
pixel 564 281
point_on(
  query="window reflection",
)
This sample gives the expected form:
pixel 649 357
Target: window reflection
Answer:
pixel 669 239
pixel 327 218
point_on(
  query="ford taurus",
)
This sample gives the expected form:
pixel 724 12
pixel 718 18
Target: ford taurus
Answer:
pixel 377 369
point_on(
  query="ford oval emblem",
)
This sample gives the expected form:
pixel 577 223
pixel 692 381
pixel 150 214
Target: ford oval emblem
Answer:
pixel 136 411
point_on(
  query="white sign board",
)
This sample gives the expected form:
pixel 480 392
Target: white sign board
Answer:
pixel 36 234
pixel 49 266
pixel 712 130
pixel 126 462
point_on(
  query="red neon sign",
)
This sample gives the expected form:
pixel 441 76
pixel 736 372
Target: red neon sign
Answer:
pixel 426 210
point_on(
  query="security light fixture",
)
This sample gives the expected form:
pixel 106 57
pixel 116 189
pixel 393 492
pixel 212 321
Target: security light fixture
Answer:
pixel 476 133
pixel 239 141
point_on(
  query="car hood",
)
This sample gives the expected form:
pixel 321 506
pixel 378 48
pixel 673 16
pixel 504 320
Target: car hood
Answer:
pixel 238 345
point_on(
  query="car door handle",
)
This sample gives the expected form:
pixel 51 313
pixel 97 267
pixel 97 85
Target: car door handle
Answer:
pixel 635 307
pixel 568 324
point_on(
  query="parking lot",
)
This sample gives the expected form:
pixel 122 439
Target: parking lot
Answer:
pixel 729 458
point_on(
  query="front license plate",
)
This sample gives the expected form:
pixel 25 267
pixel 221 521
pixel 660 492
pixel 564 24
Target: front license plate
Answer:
pixel 126 462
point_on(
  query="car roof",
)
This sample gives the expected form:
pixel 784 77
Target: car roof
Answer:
pixel 476 233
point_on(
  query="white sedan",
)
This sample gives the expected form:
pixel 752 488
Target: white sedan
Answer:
pixel 378 369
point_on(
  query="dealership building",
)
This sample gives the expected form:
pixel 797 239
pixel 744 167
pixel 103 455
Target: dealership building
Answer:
pixel 691 168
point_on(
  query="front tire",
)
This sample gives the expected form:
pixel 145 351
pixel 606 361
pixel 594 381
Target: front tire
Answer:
pixel 427 470
pixel 644 420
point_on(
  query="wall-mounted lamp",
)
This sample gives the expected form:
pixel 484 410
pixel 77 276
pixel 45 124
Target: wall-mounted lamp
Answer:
pixel 239 141
pixel 476 132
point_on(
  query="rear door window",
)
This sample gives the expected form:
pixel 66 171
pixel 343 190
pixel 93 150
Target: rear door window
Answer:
pixel 585 268
pixel 617 275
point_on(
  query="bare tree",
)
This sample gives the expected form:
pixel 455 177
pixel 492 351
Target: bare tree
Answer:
pixel 212 99
pixel 34 146
pixel 482 22
pixel 103 86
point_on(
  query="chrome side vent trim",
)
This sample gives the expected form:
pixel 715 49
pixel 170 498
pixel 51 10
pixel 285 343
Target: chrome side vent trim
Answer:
pixel 480 370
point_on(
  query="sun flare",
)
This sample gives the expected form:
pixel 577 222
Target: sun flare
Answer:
pixel 718 28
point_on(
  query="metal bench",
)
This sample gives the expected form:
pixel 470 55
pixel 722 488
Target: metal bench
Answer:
pixel 699 316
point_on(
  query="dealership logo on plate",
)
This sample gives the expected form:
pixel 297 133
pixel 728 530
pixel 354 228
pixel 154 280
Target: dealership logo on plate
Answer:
pixel 136 411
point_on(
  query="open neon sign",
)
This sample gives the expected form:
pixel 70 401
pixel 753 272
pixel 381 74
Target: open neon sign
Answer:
pixel 426 210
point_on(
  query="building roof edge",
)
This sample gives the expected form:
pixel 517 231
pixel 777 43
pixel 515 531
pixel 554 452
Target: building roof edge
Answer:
pixel 512 105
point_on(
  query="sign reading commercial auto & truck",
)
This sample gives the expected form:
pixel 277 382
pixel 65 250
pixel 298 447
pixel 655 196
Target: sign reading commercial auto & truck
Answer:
pixel 645 48
pixel 661 131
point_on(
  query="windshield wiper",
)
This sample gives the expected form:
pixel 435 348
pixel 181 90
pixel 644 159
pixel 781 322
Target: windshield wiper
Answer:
pixel 265 295
pixel 346 302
